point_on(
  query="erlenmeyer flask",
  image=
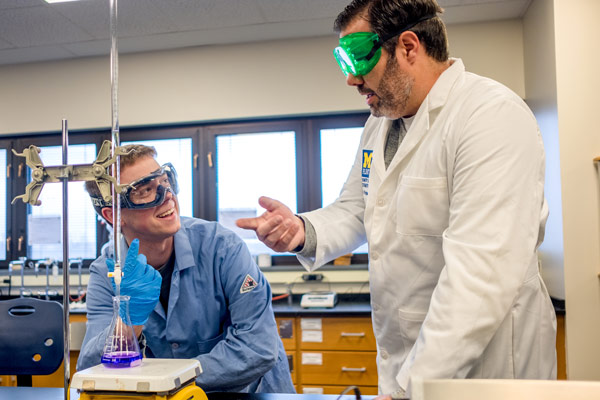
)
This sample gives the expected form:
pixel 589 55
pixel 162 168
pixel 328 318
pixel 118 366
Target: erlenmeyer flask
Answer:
pixel 121 348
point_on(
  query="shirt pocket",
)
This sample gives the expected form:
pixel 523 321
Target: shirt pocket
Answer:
pixel 206 346
pixel 422 206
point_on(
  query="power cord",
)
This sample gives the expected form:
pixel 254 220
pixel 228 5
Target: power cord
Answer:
pixel 348 389
pixel 281 296
pixel 76 299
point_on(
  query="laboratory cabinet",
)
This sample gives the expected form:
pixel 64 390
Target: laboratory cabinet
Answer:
pixel 326 351
pixel 330 352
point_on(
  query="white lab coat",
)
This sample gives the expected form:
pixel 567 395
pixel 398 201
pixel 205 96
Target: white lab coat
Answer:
pixel 453 226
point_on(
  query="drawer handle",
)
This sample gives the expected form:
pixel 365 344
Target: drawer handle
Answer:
pixel 349 334
pixel 346 369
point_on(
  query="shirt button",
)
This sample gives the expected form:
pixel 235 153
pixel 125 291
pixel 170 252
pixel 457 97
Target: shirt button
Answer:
pixel 384 354
pixel 175 345
pixel 374 256
pixel 375 307
pixel 381 202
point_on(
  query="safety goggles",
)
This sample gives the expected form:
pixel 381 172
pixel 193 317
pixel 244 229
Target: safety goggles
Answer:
pixel 359 52
pixel 148 191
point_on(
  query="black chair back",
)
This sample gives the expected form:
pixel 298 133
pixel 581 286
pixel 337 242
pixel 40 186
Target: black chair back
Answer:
pixel 31 338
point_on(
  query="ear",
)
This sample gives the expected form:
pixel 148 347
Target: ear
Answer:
pixel 107 214
pixel 409 45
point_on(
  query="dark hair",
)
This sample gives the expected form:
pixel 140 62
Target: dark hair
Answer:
pixel 386 17
pixel 135 152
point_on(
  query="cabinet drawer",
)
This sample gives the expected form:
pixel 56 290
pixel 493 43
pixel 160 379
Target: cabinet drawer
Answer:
pixel 8 380
pixel 77 317
pixel 337 333
pixel 338 368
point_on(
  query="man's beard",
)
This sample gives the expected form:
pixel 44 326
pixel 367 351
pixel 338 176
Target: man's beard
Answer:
pixel 393 92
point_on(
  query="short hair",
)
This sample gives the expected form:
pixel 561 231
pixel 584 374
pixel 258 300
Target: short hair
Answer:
pixel 135 152
pixel 386 17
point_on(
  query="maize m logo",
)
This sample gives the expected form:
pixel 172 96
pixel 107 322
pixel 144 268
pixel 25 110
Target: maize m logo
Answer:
pixel 367 159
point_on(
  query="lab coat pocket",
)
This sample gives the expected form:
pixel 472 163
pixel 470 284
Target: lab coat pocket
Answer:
pixel 206 346
pixel 423 206
pixel 410 325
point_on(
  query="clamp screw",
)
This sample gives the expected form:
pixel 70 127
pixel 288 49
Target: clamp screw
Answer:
pixel 37 175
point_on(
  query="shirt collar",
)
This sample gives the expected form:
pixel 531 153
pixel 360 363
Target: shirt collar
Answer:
pixel 184 256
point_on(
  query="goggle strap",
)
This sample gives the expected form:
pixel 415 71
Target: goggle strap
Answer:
pixel 381 41
pixel 165 168
pixel 99 202
pixel 375 47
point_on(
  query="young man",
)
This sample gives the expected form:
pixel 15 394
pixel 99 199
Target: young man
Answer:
pixel 212 303
pixel 447 188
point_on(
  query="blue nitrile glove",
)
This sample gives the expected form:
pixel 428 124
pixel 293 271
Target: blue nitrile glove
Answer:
pixel 141 282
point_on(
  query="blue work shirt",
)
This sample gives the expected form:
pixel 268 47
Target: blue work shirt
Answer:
pixel 219 313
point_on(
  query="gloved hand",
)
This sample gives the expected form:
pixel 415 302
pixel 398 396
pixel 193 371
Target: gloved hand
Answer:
pixel 141 282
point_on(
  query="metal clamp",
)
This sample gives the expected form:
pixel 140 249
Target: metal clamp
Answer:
pixel 88 172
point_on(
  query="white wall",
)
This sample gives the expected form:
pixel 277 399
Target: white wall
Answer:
pixel 578 82
pixel 540 85
pixel 492 49
pixel 220 82
pixel 194 84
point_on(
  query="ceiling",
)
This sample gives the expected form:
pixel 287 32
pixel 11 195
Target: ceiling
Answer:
pixel 32 30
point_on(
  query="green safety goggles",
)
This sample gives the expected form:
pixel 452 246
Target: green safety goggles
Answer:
pixel 359 52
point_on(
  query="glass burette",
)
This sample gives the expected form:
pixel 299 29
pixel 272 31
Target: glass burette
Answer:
pixel 121 348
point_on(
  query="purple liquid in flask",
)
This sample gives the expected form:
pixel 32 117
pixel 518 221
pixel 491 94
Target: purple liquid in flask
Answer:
pixel 121 349
pixel 122 359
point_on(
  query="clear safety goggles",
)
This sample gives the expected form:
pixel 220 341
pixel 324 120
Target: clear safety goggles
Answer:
pixel 147 192
pixel 359 52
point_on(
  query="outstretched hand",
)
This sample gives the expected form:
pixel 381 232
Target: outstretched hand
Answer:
pixel 278 227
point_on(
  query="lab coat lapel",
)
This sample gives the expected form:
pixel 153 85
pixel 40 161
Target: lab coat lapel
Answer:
pixel 425 117
pixel 409 145
pixel 378 160
pixel 415 134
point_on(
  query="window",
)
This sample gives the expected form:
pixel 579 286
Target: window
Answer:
pixel 250 165
pixel 44 223
pixel 338 152
pixel 4 191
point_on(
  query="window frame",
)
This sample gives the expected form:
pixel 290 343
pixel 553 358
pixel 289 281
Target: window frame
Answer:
pixel 203 135
pixel 350 121
pixel 319 124
pixel 7 144
pixel 210 144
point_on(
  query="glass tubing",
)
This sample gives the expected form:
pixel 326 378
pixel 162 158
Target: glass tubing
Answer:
pixel 116 169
